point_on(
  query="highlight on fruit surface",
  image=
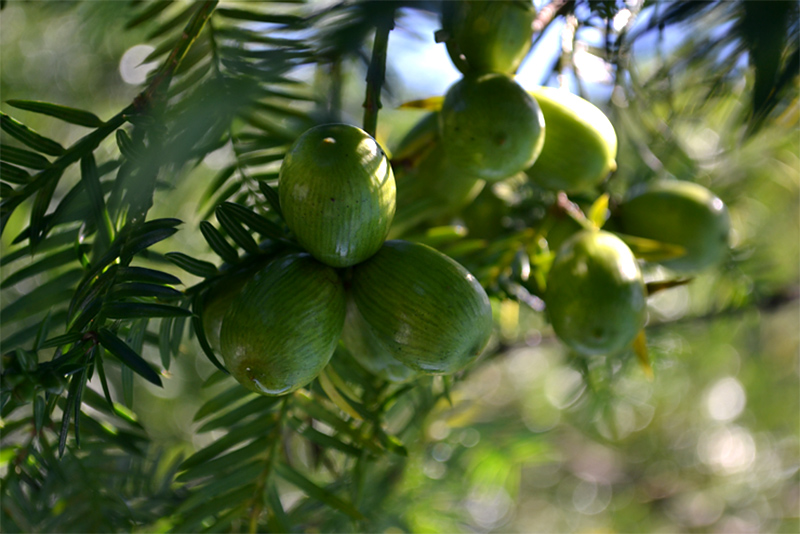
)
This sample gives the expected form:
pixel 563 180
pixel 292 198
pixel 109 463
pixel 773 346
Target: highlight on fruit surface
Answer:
pixel 337 193
pixel 580 146
pixel 679 213
pixel 488 36
pixel 282 328
pixel 595 296
pixel 491 127
pixel 359 339
pixel 423 307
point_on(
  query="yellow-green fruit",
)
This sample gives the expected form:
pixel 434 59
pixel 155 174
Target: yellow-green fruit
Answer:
pixel 282 328
pixel 680 213
pixel 368 351
pixel 490 127
pixel 595 294
pixel 488 36
pixel 580 147
pixel 427 311
pixel 337 193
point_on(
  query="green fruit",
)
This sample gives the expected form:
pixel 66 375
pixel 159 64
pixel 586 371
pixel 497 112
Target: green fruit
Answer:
pixel 488 36
pixel 216 304
pixel 337 193
pixel 283 327
pixel 680 213
pixel 368 351
pixel 434 188
pixel 427 311
pixel 580 147
pixel 595 294
pixel 490 127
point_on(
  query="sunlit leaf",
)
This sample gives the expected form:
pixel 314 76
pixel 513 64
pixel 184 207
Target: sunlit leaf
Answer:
pixel 640 348
pixel 598 212
pixel 433 103
pixel 651 250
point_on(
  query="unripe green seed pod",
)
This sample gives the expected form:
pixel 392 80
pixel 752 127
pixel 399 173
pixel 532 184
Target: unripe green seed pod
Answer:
pixel 428 311
pixel 488 36
pixel 337 193
pixel 680 213
pixel 595 296
pixel 580 147
pixel 282 329
pixel 490 127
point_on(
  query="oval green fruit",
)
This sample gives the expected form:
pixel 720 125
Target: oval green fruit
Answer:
pixel 217 301
pixel 680 213
pixel 580 147
pixel 428 311
pixel 488 36
pixel 365 348
pixel 595 295
pixel 282 328
pixel 337 193
pixel 491 127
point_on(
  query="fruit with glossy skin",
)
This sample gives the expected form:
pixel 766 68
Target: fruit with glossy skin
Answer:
pixel 282 328
pixel 426 310
pixel 488 36
pixel 490 127
pixel 359 339
pixel 595 295
pixel 337 193
pixel 580 147
pixel 679 213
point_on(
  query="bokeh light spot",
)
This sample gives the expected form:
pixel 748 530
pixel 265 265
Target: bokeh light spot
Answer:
pixel 131 68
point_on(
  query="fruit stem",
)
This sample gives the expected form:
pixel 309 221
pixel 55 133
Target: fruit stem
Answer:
pixel 377 71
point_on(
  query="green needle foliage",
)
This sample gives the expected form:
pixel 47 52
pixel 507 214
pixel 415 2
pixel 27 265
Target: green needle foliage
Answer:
pixel 104 294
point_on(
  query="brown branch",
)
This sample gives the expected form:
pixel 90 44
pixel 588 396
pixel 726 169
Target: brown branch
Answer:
pixel 376 73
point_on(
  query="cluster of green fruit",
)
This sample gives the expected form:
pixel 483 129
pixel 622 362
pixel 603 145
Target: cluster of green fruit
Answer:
pixel 416 309
pixel 489 129
pixel 403 308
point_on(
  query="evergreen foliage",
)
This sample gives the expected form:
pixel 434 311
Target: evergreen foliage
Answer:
pixel 108 312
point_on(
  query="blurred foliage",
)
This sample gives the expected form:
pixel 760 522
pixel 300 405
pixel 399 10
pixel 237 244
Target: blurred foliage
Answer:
pixel 125 205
